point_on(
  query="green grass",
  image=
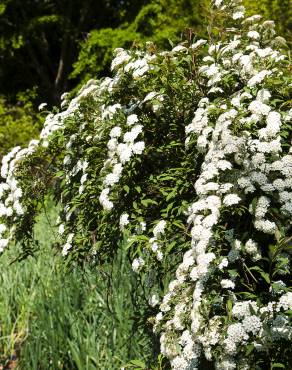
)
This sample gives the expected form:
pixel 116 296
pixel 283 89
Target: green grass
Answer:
pixel 54 319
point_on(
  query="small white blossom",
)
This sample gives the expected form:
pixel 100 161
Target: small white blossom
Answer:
pixel 231 199
pixel 227 284
pixel 132 119
pixel 124 220
pixel 159 228
pixel 115 132
pixel 154 300
pixel 137 264
pixel 42 106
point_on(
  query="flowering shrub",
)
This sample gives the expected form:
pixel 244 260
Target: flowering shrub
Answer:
pixel 186 155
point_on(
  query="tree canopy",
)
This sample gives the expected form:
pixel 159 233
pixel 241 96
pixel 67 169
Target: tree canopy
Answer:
pixel 38 41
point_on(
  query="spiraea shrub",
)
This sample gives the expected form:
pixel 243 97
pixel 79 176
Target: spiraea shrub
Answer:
pixel 185 155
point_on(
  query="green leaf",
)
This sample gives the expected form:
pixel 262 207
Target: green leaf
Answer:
pixel 263 274
pixel 146 202
pixel 140 364
pixel 278 365
pixel 249 349
pixel 126 188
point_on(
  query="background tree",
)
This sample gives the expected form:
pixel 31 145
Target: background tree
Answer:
pixel 38 42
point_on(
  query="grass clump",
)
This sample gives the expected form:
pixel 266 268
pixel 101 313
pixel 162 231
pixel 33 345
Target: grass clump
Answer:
pixel 52 318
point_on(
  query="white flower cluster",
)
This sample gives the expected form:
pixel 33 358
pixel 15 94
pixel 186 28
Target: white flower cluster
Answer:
pixel 54 122
pixel 137 264
pixel 155 243
pixel 137 64
pixel 124 221
pixel 11 207
pixel 84 176
pixel 121 147
pixel 68 245
pixel 261 324
pixel 251 248
pixel 264 169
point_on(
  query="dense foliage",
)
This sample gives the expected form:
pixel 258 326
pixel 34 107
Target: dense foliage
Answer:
pixel 19 123
pixel 185 155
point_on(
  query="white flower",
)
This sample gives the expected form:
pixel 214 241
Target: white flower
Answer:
pixel 125 152
pixel 263 95
pixel 179 49
pixel 112 144
pixel 231 199
pixel 259 108
pixel 252 324
pixel 117 169
pixel 81 189
pixel 227 284
pixel 251 247
pixel 238 15
pixel 154 247
pixel 236 333
pixel 130 136
pixel 66 249
pixel 159 228
pixel 141 227
pixel 67 160
pixel 42 106
pixel 179 363
pixel 124 220
pixel 273 126
pixel 137 264
pixel 140 67
pixel 122 57
pixel 111 179
pixel 61 229
pixel 64 95
pixel 115 132
pixel 198 43
pixel 223 263
pixel 3 244
pixel 243 309
pixel 262 207
pixel 253 35
pixel 18 208
pixel 138 147
pixel 83 178
pixel 104 200
pixel 132 119
pixel 150 96
pixel 109 111
pixel 70 238
pixel 226 364
pixel 265 226
pixel 159 255
pixel 2 228
pixel 253 19
pixel 9 211
pixel 154 300
pixel 159 317
pixel 285 301
pixel 258 78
